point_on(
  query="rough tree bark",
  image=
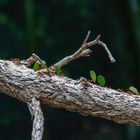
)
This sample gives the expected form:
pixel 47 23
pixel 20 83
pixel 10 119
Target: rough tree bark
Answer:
pixel 33 88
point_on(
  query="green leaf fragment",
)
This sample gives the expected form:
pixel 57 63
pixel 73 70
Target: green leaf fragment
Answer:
pixel 133 89
pixel 36 65
pixel 101 80
pixel 58 70
pixel 42 62
pixel 93 76
pixel 44 65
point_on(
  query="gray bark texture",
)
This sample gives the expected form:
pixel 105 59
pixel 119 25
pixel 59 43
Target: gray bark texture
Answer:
pixel 74 95
pixel 38 119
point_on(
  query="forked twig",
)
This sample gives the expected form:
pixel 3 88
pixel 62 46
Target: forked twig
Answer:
pixel 84 51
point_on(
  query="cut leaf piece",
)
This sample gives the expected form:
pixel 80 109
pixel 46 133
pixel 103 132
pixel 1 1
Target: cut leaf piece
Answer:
pixel 93 76
pixel 133 89
pixel 43 62
pixel 36 65
pixel 101 80
pixel 58 70
pixel 44 65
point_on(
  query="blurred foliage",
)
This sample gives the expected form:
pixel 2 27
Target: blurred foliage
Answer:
pixel 56 28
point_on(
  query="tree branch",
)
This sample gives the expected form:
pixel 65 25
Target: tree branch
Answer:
pixel 38 119
pixel 19 81
pixel 74 95
pixel 84 51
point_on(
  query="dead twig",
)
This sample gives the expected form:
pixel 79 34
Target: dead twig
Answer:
pixel 33 58
pixel 84 51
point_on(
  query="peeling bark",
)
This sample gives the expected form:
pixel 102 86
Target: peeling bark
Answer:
pixel 74 95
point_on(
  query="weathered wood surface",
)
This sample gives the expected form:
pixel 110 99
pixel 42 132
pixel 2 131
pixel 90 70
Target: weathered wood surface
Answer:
pixel 74 95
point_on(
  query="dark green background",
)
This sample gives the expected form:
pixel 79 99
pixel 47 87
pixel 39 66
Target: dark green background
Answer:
pixel 56 28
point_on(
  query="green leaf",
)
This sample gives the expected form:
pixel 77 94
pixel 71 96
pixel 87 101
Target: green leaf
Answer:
pixel 133 89
pixel 44 65
pixel 58 70
pixel 93 76
pixel 42 62
pixel 101 80
pixel 36 65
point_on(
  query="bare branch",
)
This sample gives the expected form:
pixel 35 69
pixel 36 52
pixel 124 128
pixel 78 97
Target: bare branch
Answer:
pixel 107 50
pixel 73 95
pixel 84 50
pixel 86 39
pixel 38 119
